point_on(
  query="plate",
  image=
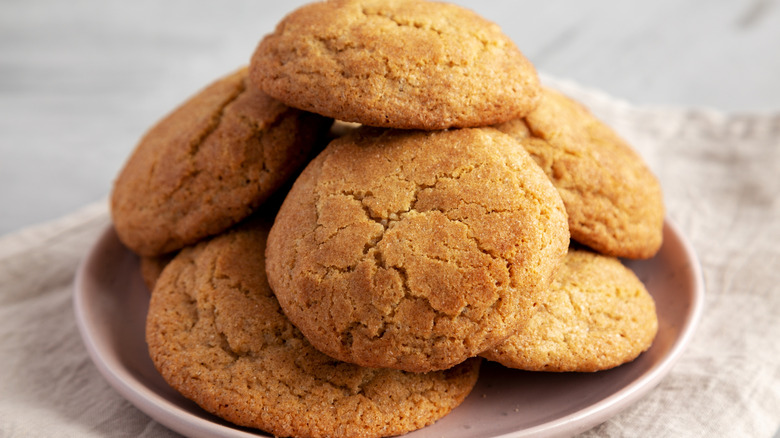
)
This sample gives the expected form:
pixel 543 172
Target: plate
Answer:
pixel 111 301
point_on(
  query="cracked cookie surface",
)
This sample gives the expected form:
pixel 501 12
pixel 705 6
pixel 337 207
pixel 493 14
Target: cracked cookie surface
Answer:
pixel 217 335
pixel 208 164
pixel 597 315
pixel 415 249
pixel 615 203
pixel 407 64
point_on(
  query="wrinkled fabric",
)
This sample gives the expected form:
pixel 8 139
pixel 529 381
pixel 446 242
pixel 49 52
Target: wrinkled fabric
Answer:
pixel 721 185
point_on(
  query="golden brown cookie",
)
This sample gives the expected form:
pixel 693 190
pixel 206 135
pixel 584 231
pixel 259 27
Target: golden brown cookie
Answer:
pixel 415 249
pixel 596 315
pixel 396 63
pixel 614 201
pixel 217 335
pixel 208 165
pixel 151 268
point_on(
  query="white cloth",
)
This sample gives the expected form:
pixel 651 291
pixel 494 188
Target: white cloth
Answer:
pixel 720 176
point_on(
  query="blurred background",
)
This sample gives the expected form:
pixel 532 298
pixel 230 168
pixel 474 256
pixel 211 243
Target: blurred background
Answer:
pixel 82 80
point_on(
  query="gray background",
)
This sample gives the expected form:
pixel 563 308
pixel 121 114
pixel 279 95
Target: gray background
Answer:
pixel 81 80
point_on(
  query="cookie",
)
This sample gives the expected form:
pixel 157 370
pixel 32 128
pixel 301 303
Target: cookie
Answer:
pixel 596 315
pixel 217 335
pixel 396 63
pixel 208 165
pixel 614 201
pixel 415 249
pixel 151 268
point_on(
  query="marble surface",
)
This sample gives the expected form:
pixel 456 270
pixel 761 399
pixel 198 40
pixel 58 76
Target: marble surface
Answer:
pixel 80 81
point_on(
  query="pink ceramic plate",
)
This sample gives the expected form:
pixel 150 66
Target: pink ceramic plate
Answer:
pixel 111 302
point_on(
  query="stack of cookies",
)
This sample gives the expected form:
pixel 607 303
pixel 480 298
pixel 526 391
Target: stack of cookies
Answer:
pixel 335 235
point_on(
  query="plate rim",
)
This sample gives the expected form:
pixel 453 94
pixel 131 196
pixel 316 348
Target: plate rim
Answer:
pixel 631 393
pixel 178 420
pixel 139 395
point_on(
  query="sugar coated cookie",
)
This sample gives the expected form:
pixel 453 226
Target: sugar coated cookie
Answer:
pixel 217 335
pixel 597 315
pixel 614 202
pixel 151 268
pixel 415 249
pixel 396 63
pixel 208 165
